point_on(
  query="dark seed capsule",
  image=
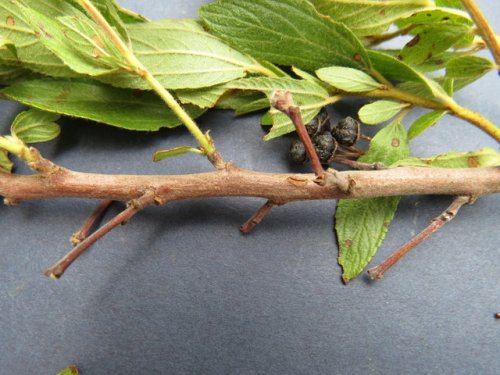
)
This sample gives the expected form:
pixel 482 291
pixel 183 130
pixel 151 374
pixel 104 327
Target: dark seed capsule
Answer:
pixel 497 315
pixel 298 152
pixel 319 124
pixel 347 131
pixel 325 146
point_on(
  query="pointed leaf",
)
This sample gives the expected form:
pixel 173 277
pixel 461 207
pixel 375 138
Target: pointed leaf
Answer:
pixel 396 70
pixel 348 79
pixel 182 55
pixel 35 126
pixel 164 154
pixel 485 157
pixel 77 41
pixel 434 16
pixel 425 122
pixel 432 40
pixel 128 109
pixel 380 111
pixel 306 94
pixel 361 224
pixel 468 67
pixel 263 28
pixel 368 17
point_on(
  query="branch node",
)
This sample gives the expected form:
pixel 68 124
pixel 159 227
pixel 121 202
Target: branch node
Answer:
pixel 11 202
pixel 94 217
pixel 282 100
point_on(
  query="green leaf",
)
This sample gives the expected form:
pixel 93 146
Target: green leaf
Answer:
pixel 306 94
pixel 449 3
pixel 6 164
pixel 424 122
pixel 128 109
pixel 380 111
pixel 396 70
pixel 234 99
pixel 8 45
pixel 468 67
pixel 348 79
pixel 164 154
pixel 432 40
pixel 435 16
pixel 34 126
pixel 71 370
pixel 362 224
pixel 205 97
pixel 285 32
pixel 368 17
pixel 256 105
pixel 77 41
pixel 485 157
pixel 31 54
pixel 181 55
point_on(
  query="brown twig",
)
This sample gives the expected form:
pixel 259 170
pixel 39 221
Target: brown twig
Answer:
pixel 134 206
pixel 484 28
pixel 278 187
pixel 87 226
pixel 436 224
pixel 283 102
pixel 358 165
pixel 258 217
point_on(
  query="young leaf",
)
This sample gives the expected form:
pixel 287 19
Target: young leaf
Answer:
pixel 380 111
pixel 396 70
pixel 6 164
pixel 485 157
pixel 348 79
pixel 34 126
pixel 306 94
pixel 71 370
pixel 262 28
pixel 128 109
pixel 432 40
pixel 77 41
pixel 424 122
pixel 368 17
pixel 181 55
pixel 361 224
pixel 468 67
pixel 164 154
pixel 234 99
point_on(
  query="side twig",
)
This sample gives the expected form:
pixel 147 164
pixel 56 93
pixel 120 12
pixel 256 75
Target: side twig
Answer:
pixel 87 226
pixel 134 206
pixel 436 224
pixel 258 217
pixel 484 28
pixel 358 165
pixel 283 102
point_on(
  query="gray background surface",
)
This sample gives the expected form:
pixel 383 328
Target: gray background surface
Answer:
pixel 180 291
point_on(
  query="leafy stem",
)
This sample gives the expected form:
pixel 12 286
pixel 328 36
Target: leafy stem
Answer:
pixel 449 104
pixel 138 68
pixel 485 28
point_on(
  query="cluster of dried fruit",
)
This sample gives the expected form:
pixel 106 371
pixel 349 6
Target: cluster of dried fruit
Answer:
pixel 326 140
